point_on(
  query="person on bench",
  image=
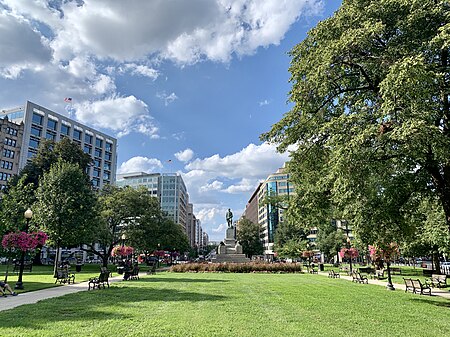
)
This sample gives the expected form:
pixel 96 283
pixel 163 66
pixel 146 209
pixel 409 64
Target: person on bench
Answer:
pixel 6 286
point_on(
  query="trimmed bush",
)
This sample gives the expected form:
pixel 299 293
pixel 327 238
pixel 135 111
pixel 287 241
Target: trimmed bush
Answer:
pixel 251 267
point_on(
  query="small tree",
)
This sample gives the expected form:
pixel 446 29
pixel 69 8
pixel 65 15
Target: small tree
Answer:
pixel 66 206
pixel 248 235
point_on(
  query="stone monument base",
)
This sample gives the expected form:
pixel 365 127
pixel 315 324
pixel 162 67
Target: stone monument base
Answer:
pixel 230 250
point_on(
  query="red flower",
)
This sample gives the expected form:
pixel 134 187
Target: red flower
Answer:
pixel 24 241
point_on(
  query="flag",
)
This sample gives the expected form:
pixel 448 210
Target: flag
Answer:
pixel 68 99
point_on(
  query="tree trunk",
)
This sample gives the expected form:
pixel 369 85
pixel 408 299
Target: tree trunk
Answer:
pixel 55 267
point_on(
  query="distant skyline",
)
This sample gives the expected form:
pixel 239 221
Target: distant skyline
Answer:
pixel 186 86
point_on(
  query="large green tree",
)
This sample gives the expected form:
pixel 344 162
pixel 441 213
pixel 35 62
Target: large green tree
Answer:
pixel 329 239
pixel 66 206
pixel 248 235
pixel 370 88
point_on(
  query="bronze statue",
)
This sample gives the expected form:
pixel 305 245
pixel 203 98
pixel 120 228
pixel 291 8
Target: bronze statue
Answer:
pixel 229 217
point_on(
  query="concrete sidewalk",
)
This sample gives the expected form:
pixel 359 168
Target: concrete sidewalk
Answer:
pixel 434 291
pixel 31 297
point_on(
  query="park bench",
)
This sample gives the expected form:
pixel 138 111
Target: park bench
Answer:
pixel 333 274
pixel 409 286
pixel 27 266
pixel 151 268
pixel 378 274
pixel 63 275
pixel 312 270
pixel 437 280
pixel 99 281
pixel 420 288
pixel 357 277
pixel 132 274
pixel 396 270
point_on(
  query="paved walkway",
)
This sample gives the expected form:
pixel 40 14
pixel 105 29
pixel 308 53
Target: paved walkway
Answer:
pixel 397 286
pixel 10 301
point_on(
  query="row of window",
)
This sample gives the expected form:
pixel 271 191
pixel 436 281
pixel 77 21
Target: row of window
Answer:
pixel 9 141
pixel 4 176
pixel 11 131
pixel 65 130
pixel 8 153
pixel 4 164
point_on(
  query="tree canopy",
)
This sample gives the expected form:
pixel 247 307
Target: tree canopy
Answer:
pixel 248 235
pixel 370 88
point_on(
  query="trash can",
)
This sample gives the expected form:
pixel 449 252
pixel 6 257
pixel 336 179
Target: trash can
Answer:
pixel 321 268
pixel 78 268
pixel 120 270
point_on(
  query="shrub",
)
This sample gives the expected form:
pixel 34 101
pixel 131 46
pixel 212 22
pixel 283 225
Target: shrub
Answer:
pixel 250 267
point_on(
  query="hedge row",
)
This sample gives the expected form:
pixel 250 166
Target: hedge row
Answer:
pixel 251 267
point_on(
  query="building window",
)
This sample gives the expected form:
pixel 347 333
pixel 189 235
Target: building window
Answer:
pixel 107 166
pixel 97 162
pixel 96 173
pixel 8 153
pixel 106 175
pixel 88 139
pixel 37 119
pixel 9 142
pixel 98 142
pixel 87 149
pixel 98 152
pixel 50 136
pixel 65 129
pixel 36 131
pixel 96 182
pixel 108 146
pixel 33 143
pixel 6 165
pixel 76 134
pixel 108 156
pixel 51 124
pixel 11 131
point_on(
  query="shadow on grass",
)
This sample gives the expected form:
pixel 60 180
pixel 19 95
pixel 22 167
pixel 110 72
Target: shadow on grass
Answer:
pixel 431 301
pixel 178 280
pixel 103 304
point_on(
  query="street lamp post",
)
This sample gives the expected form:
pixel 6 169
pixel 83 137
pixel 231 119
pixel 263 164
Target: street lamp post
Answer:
pixel 19 284
pixel 349 253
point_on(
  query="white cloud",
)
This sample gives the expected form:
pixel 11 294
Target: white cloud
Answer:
pixel 182 31
pixel 21 47
pixel 140 164
pixel 265 102
pixel 185 155
pixel 121 114
pixel 214 186
pixel 167 98
pixel 221 229
pixel 141 70
pixel 254 161
pixel 103 84
pixel 244 186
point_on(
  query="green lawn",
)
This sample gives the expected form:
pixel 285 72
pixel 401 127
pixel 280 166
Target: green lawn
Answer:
pixel 171 304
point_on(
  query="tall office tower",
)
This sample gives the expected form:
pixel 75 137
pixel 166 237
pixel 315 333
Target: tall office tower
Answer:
pixel 168 187
pixel 190 224
pixel 270 216
pixel 174 197
pixel 10 144
pixel 41 123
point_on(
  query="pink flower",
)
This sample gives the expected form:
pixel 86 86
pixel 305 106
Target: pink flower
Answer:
pixel 24 241
pixel 122 251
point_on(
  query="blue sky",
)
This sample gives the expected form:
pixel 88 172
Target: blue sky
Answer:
pixel 185 86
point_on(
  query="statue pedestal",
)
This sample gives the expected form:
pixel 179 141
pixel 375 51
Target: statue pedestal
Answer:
pixel 230 250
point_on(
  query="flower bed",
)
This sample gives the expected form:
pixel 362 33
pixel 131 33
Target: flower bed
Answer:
pixel 251 267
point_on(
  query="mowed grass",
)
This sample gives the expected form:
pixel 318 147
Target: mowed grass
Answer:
pixel 170 304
